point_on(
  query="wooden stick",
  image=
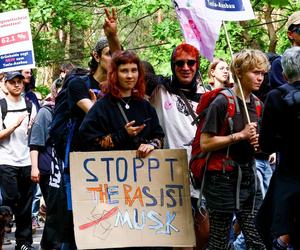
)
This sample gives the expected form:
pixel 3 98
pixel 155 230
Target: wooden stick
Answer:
pixel 238 80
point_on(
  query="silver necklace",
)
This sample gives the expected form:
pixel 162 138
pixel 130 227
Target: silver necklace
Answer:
pixel 126 103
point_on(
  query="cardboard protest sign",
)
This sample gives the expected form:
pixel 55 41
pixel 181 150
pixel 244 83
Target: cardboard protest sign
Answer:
pixel 16 49
pixel 120 200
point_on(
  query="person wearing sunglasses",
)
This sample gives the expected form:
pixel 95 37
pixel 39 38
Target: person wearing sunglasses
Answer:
pixel 293 34
pixel 175 99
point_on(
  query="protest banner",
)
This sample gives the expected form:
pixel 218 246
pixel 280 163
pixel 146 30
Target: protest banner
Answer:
pixel 198 30
pixel 200 21
pixel 120 200
pixel 226 10
pixel 16 49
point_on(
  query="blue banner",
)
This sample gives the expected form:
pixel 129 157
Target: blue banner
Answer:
pixel 225 5
pixel 15 59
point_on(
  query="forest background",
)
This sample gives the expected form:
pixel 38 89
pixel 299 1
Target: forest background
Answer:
pixel 66 31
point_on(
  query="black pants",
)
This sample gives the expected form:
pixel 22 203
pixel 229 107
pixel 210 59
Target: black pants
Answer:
pixel 56 214
pixel 44 185
pixel 17 193
pixel 220 223
pixel 222 198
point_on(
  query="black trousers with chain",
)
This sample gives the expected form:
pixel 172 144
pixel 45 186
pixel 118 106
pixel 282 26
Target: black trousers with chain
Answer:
pixel 17 193
pixel 226 196
pixel 220 224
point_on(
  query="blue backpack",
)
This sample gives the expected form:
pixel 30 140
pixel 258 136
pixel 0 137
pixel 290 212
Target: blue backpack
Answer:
pixel 63 125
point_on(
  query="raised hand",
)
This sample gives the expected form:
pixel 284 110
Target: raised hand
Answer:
pixel 110 23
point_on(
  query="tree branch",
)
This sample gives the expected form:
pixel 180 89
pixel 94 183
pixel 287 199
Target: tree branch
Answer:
pixel 150 46
pixel 136 22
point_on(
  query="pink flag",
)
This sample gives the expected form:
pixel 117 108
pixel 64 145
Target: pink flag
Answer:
pixel 198 30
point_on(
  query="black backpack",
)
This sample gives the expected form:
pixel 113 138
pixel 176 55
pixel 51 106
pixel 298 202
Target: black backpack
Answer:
pixel 62 125
pixel 4 110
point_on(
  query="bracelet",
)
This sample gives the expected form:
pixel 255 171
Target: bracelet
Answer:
pixel 232 138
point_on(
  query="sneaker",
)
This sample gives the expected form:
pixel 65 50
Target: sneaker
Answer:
pixel 279 245
pixel 6 241
pixel 35 224
pixel 25 246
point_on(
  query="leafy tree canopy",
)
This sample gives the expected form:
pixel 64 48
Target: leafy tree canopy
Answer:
pixel 65 30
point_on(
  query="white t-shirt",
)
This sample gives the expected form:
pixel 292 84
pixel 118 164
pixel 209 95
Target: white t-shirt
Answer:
pixel 14 149
pixel 174 117
pixel 175 120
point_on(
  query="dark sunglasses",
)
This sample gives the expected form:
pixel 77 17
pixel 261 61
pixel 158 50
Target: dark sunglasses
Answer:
pixel 181 63
pixel 297 30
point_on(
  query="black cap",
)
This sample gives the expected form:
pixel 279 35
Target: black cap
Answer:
pixel 10 75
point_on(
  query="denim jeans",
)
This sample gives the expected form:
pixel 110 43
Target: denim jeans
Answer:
pixel 264 173
pixel 37 195
pixel 239 243
pixel 0 198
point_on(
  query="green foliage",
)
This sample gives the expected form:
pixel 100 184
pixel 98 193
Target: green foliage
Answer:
pixel 43 89
pixel 8 5
pixel 278 3
pixel 148 26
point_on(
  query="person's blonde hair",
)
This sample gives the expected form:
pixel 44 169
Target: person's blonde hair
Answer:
pixel 247 60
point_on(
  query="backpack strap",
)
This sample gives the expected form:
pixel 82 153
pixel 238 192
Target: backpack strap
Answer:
pixel 258 105
pixel 3 104
pixel 232 108
pixel 4 110
pixel 188 105
pixel 28 108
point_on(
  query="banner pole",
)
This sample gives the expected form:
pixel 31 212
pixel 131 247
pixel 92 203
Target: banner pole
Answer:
pixel 238 80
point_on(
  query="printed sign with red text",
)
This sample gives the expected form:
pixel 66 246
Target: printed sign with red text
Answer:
pixel 16 49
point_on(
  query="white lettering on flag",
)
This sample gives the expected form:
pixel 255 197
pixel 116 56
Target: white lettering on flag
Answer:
pixel 199 31
pixel 226 10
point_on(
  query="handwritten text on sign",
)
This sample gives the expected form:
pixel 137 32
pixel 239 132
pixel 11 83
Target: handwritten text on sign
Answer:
pixel 116 194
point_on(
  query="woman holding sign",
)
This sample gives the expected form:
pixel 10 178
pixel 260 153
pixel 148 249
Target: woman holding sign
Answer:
pixel 122 119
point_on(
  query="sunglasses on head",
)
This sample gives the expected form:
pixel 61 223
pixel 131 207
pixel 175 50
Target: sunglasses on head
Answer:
pixel 181 63
pixel 297 30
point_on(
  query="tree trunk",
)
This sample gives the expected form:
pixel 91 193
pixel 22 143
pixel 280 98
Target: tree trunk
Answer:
pixel 76 44
pixel 248 40
pixel 270 27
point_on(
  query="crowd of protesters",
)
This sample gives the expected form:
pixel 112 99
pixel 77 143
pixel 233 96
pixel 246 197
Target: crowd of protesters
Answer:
pixel 126 106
